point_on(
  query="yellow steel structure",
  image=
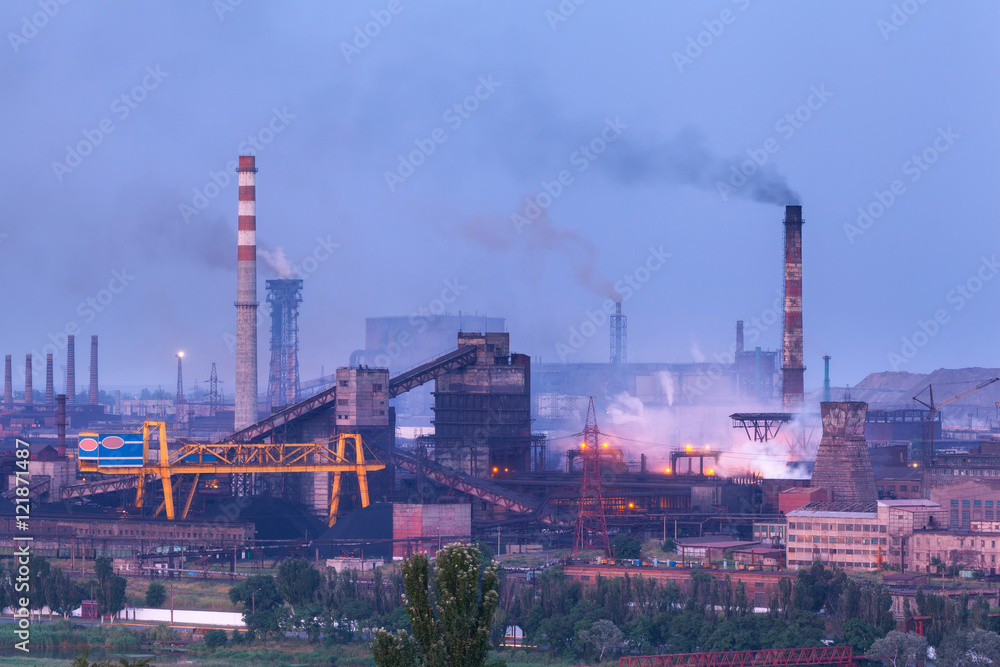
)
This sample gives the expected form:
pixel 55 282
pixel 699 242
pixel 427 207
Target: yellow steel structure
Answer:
pixel 197 459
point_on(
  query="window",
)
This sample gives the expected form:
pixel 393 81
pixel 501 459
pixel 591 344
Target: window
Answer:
pixel 883 529
pixel 965 503
pixel 954 502
pixel 341 401
pixel 989 503
pixel 826 527
pixel 343 383
pixel 376 387
pixel 977 503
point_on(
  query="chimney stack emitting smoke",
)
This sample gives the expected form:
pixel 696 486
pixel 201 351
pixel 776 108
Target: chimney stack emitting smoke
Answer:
pixel 792 368
pixel 619 336
pixel 71 370
pixel 246 296
pixel 28 399
pixel 8 383
pixel 50 394
pixel 93 370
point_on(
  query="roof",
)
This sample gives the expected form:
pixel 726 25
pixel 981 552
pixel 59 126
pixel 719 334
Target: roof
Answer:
pixel 837 510
pixel 712 542
pixel 914 503
pixel 759 550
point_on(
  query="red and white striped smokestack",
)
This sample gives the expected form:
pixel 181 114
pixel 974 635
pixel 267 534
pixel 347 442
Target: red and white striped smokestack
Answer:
pixel 71 370
pixel 792 368
pixel 93 370
pixel 246 296
pixel 8 383
pixel 28 398
pixel 50 393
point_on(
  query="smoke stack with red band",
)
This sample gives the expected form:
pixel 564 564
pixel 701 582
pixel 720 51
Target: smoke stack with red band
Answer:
pixel 246 296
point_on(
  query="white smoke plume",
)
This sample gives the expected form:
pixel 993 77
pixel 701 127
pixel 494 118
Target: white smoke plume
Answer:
pixel 277 262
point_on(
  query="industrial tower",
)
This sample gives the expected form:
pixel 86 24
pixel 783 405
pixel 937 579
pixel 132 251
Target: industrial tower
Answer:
pixel 792 368
pixel 619 336
pixel 591 526
pixel 283 382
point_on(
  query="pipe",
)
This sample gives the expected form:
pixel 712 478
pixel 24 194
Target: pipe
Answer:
pixel 246 295
pixel 71 370
pixel 792 368
pixel 49 390
pixel 8 383
pixel 28 398
pixel 61 423
pixel 826 378
pixel 93 370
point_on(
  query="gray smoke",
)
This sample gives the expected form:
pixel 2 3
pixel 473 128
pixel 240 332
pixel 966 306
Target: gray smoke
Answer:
pixel 686 160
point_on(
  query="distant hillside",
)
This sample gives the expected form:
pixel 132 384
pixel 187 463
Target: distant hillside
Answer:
pixel 896 389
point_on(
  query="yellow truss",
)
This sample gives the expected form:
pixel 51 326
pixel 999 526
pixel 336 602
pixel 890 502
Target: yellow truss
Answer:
pixel 197 459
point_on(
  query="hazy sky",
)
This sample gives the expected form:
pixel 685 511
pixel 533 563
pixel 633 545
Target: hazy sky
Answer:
pixel 118 116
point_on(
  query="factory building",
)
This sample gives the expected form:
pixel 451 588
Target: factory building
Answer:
pixel 482 411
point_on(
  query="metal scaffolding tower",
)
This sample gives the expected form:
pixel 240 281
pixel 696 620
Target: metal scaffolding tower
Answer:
pixel 283 383
pixel 591 525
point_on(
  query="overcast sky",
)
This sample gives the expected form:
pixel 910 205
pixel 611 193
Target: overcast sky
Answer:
pixel 834 98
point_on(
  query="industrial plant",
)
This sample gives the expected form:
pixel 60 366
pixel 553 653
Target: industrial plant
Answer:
pixel 447 433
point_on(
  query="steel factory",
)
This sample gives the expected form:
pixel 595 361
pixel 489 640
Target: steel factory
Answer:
pixel 444 432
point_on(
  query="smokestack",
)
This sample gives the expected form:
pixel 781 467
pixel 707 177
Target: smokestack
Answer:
pixel 61 423
pixel 792 368
pixel 71 370
pixel 28 399
pixel 179 396
pixel 8 384
pixel 246 296
pixel 826 378
pixel 93 370
pixel 739 337
pixel 619 336
pixel 49 390
pixel 843 466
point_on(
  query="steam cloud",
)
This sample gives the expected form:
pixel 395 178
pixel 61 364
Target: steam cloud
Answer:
pixel 276 261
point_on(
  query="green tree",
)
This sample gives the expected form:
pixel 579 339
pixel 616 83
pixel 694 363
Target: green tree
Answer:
pixel 156 594
pixel 262 604
pixel 110 587
pixel 970 649
pixel 602 635
pixel 215 638
pixel 626 546
pixel 860 635
pixel 899 649
pixel 297 581
pixel 64 595
pixel 451 623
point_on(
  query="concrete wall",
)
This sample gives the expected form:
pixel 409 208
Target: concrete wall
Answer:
pixel 428 527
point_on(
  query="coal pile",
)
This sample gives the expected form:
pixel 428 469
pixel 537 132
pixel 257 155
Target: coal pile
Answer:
pixel 368 530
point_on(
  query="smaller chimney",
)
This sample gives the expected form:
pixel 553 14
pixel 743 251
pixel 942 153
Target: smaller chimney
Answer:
pixel 8 384
pixel 826 378
pixel 28 398
pixel 71 370
pixel 61 423
pixel 739 337
pixel 93 370
pixel 49 389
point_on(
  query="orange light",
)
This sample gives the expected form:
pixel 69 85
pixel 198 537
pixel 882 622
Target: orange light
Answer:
pixel 708 447
pixel 583 445
pixel 605 444
pixel 668 471
pixel 711 471
pixel 505 470
pixel 631 505
pixel 687 447
pixel 495 469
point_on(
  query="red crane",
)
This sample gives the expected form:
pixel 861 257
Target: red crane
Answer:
pixel 932 410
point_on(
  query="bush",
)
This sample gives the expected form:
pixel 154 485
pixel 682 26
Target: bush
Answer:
pixel 215 638
pixel 156 594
